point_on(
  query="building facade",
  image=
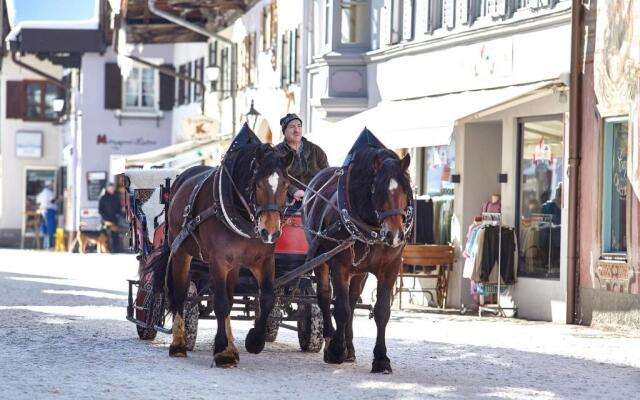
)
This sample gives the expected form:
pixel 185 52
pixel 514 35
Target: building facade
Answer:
pixel 608 271
pixel 121 108
pixel 31 144
pixel 477 93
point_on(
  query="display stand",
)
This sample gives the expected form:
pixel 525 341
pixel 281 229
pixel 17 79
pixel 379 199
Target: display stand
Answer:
pixel 496 309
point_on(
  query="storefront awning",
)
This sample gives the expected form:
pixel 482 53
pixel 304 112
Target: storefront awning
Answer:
pixel 427 121
pixel 178 155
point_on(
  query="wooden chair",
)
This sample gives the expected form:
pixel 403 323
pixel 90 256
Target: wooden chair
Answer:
pixel 31 228
pixel 427 262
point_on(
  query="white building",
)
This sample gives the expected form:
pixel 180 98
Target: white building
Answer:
pixel 30 143
pixel 474 90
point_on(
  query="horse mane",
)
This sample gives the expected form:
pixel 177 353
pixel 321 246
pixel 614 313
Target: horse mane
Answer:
pixel 243 171
pixel 363 177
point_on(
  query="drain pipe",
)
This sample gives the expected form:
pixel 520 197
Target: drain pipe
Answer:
pixel 575 127
pixel 159 68
pixel 36 71
pixel 198 29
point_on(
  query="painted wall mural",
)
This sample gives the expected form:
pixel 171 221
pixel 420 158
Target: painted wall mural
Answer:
pixel 617 71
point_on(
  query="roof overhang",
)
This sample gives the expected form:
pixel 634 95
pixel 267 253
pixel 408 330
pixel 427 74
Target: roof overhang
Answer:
pixel 428 121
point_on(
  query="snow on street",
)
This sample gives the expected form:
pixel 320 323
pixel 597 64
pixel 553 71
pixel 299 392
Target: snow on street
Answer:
pixel 63 335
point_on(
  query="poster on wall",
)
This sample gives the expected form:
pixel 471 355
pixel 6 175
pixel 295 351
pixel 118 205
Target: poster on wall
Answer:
pixel 28 144
pixel 96 182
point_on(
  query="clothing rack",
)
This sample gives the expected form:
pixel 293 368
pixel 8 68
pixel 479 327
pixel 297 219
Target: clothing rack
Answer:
pixel 496 309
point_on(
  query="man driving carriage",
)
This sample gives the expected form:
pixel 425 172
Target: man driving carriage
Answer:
pixel 309 158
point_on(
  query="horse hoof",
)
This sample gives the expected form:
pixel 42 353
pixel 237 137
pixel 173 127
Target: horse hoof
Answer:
pixel 381 367
pixel 252 343
pixel 333 355
pixel 351 356
pixel 225 360
pixel 177 351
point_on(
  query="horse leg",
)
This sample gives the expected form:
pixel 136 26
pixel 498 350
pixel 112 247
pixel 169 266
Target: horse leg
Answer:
pixel 223 355
pixel 254 343
pixel 355 288
pixel 336 352
pixel 180 265
pixel 324 301
pixel 232 279
pixel 381 313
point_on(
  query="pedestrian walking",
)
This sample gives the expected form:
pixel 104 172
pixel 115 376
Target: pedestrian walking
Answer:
pixel 47 208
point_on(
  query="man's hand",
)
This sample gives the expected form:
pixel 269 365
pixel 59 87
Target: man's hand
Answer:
pixel 298 195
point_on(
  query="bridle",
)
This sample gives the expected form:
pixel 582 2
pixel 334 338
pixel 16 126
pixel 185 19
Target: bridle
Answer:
pixel 253 209
pixel 361 231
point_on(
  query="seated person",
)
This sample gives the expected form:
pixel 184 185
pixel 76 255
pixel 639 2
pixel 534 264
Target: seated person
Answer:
pixel 309 158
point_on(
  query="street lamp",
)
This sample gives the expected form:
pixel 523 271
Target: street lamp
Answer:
pixel 252 116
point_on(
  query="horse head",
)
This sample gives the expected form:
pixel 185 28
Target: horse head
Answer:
pixel 270 183
pixel 391 195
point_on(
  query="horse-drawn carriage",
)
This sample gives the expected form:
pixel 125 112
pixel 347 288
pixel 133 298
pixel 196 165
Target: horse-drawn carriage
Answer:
pixel 147 201
pixel 220 243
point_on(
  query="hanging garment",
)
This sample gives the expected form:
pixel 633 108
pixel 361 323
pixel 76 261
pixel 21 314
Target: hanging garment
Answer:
pixel 424 222
pixel 499 242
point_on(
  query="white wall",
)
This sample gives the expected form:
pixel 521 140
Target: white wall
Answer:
pixel 269 99
pixel 12 172
pixel 184 53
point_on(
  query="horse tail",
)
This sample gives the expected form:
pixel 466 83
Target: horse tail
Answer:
pixel 161 267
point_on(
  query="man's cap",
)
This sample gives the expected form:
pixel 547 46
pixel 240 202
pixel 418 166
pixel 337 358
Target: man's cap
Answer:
pixel 284 121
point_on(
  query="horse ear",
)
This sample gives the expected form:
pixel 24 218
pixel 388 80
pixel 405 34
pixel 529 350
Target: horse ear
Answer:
pixel 405 162
pixel 288 159
pixel 260 153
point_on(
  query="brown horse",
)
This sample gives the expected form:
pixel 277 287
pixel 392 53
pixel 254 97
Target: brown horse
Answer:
pixel 259 180
pixel 377 197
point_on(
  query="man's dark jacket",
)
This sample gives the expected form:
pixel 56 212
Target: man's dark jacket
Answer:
pixel 109 207
pixel 306 163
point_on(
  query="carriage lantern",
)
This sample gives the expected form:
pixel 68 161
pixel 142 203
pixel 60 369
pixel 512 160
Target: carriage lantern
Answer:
pixel 252 116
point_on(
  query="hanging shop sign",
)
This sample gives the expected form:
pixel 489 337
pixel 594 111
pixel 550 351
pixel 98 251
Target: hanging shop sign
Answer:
pixel 28 144
pixel 200 128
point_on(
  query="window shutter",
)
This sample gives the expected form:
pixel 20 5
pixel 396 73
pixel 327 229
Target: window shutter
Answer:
pixel 435 15
pixel 15 99
pixel 462 12
pixel 112 87
pixel 283 61
pixel 385 26
pixel 448 14
pixel 167 89
pixel 407 19
pixel 213 53
pixel 496 8
pixel 295 59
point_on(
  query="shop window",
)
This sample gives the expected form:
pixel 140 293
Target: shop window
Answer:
pixel 614 187
pixel 436 164
pixel 354 21
pixel 540 196
pixel 140 89
pixel 39 101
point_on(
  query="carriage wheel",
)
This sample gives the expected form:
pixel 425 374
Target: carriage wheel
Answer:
pixel 191 315
pixel 149 333
pixel 273 324
pixel 310 328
